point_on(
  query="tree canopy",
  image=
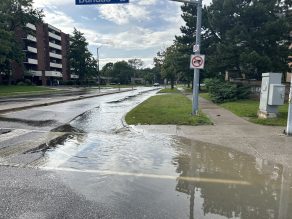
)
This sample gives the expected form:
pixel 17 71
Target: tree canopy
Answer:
pixel 81 60
pixel 249 36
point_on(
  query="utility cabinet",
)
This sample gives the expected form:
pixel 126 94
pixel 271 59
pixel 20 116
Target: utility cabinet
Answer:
pixel 276 94
pixel 272 95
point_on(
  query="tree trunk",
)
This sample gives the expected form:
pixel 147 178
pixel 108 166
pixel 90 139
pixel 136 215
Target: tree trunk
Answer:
pixel 172 83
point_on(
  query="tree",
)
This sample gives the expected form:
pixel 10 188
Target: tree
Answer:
pixel 80 58
pixel 135 63
pixel 150 75
pixel 91 67
pixel 249 36
pixel 169 68
pixel 122 71
pixel 107 69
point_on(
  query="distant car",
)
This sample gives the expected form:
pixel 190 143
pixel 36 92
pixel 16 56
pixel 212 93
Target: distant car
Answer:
pixel 156 84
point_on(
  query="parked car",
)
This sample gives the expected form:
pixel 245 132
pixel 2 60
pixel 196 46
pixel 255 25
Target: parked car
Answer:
pixel 156 84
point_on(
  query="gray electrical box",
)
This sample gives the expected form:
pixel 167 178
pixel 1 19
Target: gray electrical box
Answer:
pixel 272 95
pixel 276 94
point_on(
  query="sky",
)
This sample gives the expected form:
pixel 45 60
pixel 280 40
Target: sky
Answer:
pixel 122 31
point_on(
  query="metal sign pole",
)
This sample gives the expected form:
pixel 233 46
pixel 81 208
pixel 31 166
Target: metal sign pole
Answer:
pixel 289 122
pixel 98 72
pixel 196 82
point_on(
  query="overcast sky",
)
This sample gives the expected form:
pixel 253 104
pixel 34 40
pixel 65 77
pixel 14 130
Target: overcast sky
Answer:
pixel 135 30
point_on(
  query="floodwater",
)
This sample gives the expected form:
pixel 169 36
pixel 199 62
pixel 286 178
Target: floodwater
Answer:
pixel 144 175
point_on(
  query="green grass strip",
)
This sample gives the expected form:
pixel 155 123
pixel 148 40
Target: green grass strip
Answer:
pixel 249 108
pixel 169 90
pixel 165 109
pixel 12 89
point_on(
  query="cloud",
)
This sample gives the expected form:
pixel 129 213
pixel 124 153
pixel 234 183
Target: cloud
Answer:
pixel 127 39
pixel 49 3
pixel 132 39
pixel 63 21
pixel 147 2
pixel 123 14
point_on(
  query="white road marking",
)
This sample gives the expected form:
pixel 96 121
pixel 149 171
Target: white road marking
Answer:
pixel 118 173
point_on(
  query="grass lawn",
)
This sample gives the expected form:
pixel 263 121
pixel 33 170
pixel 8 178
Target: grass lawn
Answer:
pixel 165 109
pixel 169 90
pixel 249 108
pixel 6 90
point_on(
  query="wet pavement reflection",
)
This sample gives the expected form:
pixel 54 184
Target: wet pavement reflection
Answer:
pixel 143 175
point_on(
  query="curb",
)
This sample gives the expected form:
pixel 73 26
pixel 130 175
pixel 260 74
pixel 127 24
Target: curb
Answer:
pixel 59 101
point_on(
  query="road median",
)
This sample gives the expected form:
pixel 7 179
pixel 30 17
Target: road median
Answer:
pixel 53 102
pixel 171 108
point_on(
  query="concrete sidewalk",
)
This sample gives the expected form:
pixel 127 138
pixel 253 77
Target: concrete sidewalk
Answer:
pixel 26 103
pixel 229 130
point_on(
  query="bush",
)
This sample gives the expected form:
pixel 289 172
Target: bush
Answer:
pixel 69 82
pixel 92 82
pixel 28 82
pixel 21 83
pixel 221 91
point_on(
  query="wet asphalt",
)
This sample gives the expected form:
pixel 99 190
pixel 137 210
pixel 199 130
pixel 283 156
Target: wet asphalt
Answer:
pixel 79 160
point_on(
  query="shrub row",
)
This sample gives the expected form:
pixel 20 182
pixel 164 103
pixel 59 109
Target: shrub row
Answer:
pixel 221 91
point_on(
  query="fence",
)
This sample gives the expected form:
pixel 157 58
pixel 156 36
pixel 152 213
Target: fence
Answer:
pixel 255 87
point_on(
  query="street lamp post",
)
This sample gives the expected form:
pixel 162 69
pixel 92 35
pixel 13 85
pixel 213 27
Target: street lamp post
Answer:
pixel 97 62
pixel 196 81
pixel 289 122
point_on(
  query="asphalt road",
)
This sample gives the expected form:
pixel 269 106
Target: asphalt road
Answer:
pixel 78 160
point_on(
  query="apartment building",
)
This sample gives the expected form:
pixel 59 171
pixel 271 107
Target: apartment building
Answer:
pixel 46 55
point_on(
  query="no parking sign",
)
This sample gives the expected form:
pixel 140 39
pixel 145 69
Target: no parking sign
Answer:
pixel 197 61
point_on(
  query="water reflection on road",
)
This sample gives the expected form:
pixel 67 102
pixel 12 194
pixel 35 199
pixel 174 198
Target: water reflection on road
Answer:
pixel 144 175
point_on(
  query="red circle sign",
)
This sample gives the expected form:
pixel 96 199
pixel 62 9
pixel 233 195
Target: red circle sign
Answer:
pixel 197 61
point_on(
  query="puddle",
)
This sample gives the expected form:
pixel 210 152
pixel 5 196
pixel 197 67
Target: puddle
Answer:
pixel 143 175
pixel 132 96
pixel 179 177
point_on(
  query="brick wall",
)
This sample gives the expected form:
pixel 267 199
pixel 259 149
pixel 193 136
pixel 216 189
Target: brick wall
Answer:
pixel 65 59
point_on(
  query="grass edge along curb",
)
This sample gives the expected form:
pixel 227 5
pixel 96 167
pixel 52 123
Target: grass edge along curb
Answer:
pixel 169 91
pixel 247 109
pixel 167 109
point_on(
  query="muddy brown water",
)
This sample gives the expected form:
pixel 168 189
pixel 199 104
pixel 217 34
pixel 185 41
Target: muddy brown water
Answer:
pixel 145 175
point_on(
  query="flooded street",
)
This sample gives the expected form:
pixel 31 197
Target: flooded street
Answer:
pixel 125 172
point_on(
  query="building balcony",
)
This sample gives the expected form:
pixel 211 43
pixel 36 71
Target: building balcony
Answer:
pixel 55 74
pixel 74 76
pixel 54 28
pixel 30 26
pixel 31 61
pixel 55 46
pixel 54 36
pixel 31 49
pixel 54 55
pixel 31 38
pixel 55 65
